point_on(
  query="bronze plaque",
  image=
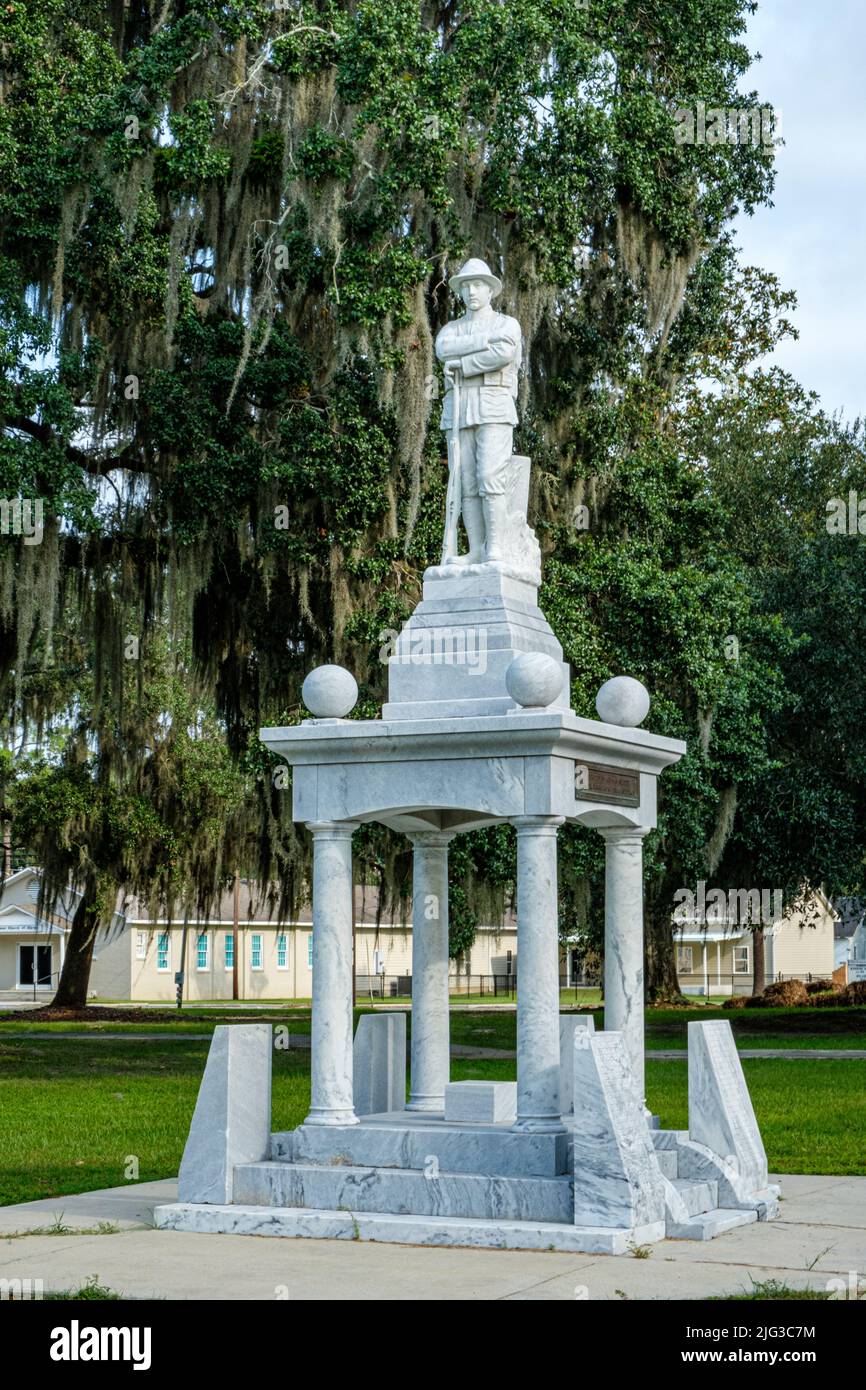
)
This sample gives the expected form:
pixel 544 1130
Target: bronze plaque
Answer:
pixel 596 782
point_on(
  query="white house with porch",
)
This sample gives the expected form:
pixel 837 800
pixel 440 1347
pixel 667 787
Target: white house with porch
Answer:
pixel 716 956
pixel 32 946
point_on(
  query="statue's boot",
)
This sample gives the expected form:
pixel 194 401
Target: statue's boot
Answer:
pixel 496 524
pixel 473 520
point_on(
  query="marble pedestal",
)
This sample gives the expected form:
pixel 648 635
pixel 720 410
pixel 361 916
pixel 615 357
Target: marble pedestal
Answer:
pixel 481 1102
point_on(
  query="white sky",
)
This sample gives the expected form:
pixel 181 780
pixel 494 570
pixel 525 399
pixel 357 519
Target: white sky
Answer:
pixel 814 238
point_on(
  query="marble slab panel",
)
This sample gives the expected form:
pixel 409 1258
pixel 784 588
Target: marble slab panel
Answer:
pixel 567 1025
pixel 231 1123
pixel 379 1063
pixel 617 1181
pixel 721 1115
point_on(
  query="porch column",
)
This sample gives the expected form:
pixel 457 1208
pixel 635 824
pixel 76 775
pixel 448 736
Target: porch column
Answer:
pixel 538 1107
pixel 331 1100
pixel 623 941
pixel 431 1058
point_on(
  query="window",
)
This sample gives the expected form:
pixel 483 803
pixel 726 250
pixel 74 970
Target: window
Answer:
pixel 201 951
pixel 256 951
pixel 282 952
pixel 229 950
pixel 684 960
pixel 140 945
pixel 741 960
pixel 309 952
pixel 163 951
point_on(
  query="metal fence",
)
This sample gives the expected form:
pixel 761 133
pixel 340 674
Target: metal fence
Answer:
pixel 696 982
pixel 502 986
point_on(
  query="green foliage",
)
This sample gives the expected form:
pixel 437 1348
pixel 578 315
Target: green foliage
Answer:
pixel 269 494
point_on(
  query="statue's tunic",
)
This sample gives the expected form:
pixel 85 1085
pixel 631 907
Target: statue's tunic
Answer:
pixel 488 348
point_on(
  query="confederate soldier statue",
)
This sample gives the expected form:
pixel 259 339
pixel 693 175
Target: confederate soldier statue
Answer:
pixel 481 353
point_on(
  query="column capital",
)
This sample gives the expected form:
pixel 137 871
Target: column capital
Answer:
pixel 617 833
pixel 431 839
pixel 537 825
pixel 332 829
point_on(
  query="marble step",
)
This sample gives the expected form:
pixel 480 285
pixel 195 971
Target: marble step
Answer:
pixel 404 1230
pixel 403 1192
pixel 418 1141
pixel 667 1161
pixel 698 1197
pixel 709 1224
pixel 668 1138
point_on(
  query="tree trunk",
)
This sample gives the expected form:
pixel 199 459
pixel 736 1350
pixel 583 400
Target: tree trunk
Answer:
pixel 75 976
pixel 662 984
pixel 759 974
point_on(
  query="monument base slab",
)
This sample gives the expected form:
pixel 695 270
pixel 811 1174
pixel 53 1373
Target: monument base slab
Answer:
pixel 295 1222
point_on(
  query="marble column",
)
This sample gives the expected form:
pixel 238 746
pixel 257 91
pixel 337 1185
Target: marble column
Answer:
pixel 538 1105
pixel 331 1042
pixel 431 1060
pixel 623 942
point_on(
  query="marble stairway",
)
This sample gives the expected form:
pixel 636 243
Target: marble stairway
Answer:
pixel 418 1166
pixel 693 1210
pixel 404 1192
pixel 415 1165
pixel 610 1181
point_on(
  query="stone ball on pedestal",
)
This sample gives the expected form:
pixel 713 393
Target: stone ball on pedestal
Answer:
pixel 623 700
pixel 533 680
pixel 330 692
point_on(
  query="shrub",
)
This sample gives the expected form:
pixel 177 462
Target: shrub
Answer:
pixel 855 993
pixel 756 1001
pixel 832 999
pixel 736 1001
pixel 818 986
pixel 786 994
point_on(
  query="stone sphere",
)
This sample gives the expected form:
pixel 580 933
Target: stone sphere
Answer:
pixel 623 700
pixel 329 692
pixel 533 679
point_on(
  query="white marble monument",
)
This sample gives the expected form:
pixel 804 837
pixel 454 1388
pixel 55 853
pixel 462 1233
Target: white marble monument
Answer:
pixel 477 730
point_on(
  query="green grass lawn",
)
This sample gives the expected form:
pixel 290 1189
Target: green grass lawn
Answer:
pixel 74 1113
pixel 667 1028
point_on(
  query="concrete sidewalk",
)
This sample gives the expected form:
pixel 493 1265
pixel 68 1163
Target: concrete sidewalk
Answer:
pixel 821 1236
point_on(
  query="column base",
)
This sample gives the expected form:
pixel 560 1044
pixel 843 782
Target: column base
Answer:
pixel 540 1124
pixel 428 1105
pixel 332 1117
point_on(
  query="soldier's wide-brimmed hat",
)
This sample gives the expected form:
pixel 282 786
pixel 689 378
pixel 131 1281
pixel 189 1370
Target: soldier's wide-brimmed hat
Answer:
pixel 475 269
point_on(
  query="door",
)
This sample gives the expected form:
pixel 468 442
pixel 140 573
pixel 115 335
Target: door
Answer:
pixel 34 958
